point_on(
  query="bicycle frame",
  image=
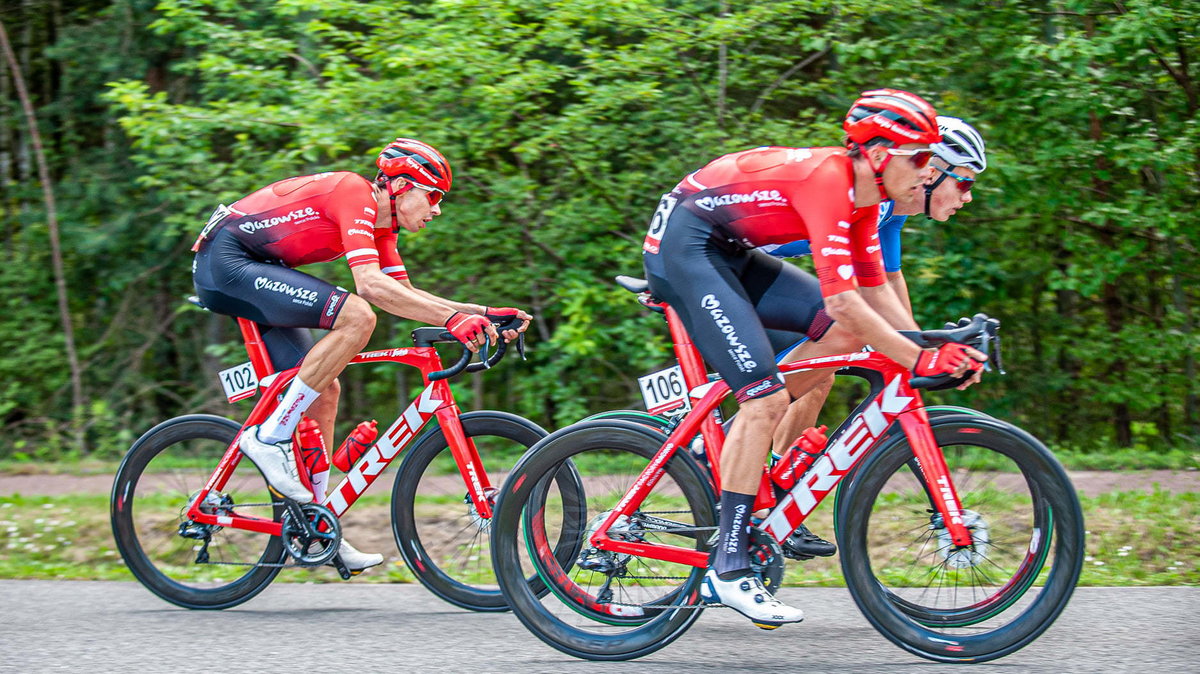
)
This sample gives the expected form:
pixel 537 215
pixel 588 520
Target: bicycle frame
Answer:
pixel 436 400
pixel 897 400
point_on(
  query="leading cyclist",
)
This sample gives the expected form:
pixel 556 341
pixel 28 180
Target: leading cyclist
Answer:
pixel 699 258
pixel 957 159
pixel 244 267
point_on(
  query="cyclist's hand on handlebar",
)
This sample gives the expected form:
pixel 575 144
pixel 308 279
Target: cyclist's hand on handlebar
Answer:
pixel 470 329
pixel 951 359
pixel 502 315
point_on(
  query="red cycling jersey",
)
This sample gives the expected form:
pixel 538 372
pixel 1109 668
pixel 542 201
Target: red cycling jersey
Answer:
pixel 316 218
pixel 781 194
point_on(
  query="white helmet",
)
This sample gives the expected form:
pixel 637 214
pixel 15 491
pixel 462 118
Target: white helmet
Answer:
pixel 961 144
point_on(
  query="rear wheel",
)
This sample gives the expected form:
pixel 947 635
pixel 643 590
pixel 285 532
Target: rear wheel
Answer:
pixel 192 565
pixel 977 603
pixel 603 605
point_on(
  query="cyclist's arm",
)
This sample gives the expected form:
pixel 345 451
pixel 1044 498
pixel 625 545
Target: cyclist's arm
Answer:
pixel 457 306
pixel 884 300
pixel 896 280
pixel 399 298
pixel 890 227
pixel 854 313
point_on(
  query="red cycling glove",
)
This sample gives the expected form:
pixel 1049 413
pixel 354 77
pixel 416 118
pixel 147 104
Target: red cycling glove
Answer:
pixel 500 315
pixel 944 360
pixel 466 327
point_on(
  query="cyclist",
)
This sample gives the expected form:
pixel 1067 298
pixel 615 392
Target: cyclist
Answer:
pixel 699 257
pixel 957 160
pixel 245 266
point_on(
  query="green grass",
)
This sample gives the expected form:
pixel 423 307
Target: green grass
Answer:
pixel 1134 538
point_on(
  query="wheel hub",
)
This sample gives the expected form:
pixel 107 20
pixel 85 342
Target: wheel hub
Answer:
pixel 963 558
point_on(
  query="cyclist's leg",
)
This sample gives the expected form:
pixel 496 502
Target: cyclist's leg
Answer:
pixel 230 280
pixel 708 288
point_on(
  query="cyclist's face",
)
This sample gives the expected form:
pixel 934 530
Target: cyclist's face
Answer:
pixel 948 197
pixel 413 210
pixel 904 180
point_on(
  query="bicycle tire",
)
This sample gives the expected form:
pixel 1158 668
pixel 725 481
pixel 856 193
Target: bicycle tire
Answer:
pixel 569 618
pixel 1038 499
pixel 636 416
pixel 154 485
pixel 451 558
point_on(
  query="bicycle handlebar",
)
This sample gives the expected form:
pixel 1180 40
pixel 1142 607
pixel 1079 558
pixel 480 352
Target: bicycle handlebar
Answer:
pixel 979 332
pixel 431 336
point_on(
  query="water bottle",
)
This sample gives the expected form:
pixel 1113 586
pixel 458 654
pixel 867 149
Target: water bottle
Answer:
pixel 360 440
pixel 798 457
pixel 312 447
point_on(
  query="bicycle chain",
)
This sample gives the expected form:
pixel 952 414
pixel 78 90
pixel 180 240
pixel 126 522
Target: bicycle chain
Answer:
pixel 271 565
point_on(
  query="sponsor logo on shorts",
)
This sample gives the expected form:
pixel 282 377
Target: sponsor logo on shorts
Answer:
pixel 766 384
pixel 843 224
pixel 834 238
pixel 299 295
pixel 834 251
pixel 359 231
pixel 738 351
pixel 298 215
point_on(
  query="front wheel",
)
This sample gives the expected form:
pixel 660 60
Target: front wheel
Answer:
pixel 442 537
pixel 977 603
pixel 197 566
pixel 603 605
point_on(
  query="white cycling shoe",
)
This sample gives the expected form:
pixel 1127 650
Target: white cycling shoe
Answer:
pixel 277 463
pixel 747 596
pixel 356 561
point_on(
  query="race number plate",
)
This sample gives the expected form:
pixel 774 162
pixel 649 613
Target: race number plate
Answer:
pixel 664 391
pixel 240 382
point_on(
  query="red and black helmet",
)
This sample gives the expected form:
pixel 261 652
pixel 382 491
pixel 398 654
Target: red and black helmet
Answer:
pixel 417 162
pixel 891 114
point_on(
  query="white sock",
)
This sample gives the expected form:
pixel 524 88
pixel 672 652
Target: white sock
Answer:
pixel 283 421
pixel 319 482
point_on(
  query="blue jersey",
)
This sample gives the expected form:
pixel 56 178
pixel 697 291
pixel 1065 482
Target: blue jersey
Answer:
pixel 889 240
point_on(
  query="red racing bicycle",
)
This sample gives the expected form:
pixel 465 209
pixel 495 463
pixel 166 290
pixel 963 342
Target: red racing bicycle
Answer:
pixel 961 535
pixel 199 528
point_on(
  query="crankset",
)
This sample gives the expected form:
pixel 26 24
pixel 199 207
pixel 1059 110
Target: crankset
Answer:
pixel 311 533
pixel 766 559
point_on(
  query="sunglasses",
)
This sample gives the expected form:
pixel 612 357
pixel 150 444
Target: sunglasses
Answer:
pixel 919 158
pixel 964 183
pixel 433 194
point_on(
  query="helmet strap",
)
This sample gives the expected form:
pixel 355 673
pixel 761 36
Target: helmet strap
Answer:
pixel 878 171
pixel 929 193
pixel 392 194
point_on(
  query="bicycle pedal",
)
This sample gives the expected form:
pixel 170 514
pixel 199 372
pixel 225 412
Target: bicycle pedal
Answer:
pixel 764 626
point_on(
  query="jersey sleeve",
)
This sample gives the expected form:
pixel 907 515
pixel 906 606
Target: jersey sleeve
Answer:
pixel 889 237
pixel 866 248
pixel 386 242
pixel 824 205
pixel 352 208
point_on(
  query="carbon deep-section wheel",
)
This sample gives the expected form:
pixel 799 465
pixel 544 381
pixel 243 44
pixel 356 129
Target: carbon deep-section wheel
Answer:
pixel 603 605
pixel 971 604
pixel 189 564
pixel 441 535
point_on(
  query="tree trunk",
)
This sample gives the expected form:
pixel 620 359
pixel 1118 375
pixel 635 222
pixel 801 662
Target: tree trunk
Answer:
pixel 60 283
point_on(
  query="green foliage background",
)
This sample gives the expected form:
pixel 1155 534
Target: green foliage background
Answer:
pixel 565 120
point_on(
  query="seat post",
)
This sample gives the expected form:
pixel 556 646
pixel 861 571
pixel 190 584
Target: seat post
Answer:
pixel 255 348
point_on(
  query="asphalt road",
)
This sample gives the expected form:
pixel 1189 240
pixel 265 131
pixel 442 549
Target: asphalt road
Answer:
pixel 48 626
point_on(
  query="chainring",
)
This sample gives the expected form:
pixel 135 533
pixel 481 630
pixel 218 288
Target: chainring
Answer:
pixel 312 542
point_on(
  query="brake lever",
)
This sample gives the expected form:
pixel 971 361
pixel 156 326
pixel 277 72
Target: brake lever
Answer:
pixel 521 345
pixel 484 356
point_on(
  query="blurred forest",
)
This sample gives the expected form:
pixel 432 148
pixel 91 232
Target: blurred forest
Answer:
pixel 564 122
